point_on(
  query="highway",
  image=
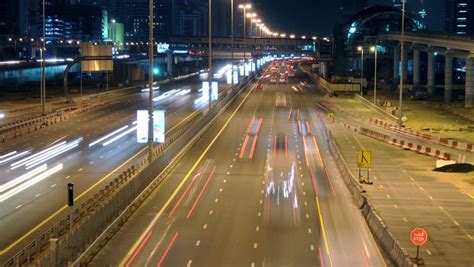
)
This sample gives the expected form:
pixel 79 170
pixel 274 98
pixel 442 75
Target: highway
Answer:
pixel 29 202
pixel 259 189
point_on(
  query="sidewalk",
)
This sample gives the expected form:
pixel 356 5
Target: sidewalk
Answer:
pixel 447 120
pixel 407 194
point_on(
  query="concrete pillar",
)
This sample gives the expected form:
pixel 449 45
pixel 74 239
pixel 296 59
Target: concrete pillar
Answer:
pixel 169 62
pixel 431 74
pixel 448 77
pixel 405 64
pixel 396 62
pixel 469 100
pixel 416 67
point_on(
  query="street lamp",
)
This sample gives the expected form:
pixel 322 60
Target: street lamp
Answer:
pixel 232 37
pixel 150 80
pixel 43 64
pixel 209 34
pixel 402 40
pixel 245 7
pixel 374 49
pixel 361 49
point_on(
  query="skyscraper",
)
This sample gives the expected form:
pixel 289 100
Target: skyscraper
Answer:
pixel 459 17
pixel 189 17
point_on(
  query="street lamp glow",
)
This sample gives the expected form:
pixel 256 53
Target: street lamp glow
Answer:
pixel 247 6
pixel 303 37
pixel 359 48
pixel 10 39
pixel 314 38
pixel 372 48
pixel 113 20
pixel 283 35
pixel 292 36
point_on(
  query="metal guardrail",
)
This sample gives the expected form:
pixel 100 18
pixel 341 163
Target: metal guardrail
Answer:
pixel 379 230
pixel 61 244
pixel 25 122
pixel 376 108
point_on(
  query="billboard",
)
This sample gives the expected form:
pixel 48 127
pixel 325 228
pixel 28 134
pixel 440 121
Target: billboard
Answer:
pixel 236 77
pixel 90 50
pixel 159 126
pixel 142 126
pixel 214 91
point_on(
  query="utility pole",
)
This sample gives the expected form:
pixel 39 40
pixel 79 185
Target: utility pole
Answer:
pixel 150 82
pixel 43 65
pixel 210 53
pixel 232 37
pixel 402 44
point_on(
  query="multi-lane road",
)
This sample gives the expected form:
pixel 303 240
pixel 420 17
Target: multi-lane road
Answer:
pixel 258 189
pixel 31 199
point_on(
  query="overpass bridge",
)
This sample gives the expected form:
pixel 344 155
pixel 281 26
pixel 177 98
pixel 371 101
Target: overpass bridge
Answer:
pixel 450 47
pixel 251 46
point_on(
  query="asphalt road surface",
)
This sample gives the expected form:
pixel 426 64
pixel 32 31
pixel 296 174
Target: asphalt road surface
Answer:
pixel 254 191
pixel 27 209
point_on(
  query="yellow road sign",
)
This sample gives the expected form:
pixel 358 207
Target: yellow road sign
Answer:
pixel 331 116
pixel 364 159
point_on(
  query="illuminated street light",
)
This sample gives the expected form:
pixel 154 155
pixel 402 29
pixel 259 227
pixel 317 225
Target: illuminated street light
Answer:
pixel 245 7
pixel 292 36
pixel 361 49
pixel 374 49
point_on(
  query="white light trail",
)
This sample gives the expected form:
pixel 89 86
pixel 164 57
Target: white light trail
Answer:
pixel 119 136
pixel 52 154
pixel 109 135
pixel 23 178
pixel 31 182
pixel 16 155
pixel 8 154
pixel 183 92
pixel 19 163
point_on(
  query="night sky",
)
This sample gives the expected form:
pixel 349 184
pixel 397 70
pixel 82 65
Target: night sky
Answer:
pixel 318 16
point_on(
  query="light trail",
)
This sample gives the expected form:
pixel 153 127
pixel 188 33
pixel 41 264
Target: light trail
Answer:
pixel 119 136
pixel 109 135
pixel 31 182
pixel 21 179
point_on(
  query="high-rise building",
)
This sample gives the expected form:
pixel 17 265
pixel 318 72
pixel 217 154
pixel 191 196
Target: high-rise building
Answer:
pixel 134 14
pixel 67 21
pixel 14 17
pixel 460 17
pixel 189 17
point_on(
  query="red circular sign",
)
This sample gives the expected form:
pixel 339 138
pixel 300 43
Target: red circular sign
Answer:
pixel 419 236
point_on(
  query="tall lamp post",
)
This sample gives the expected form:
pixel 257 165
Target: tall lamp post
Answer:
pixel 150 80
pixel 374 49
pixel 245 7
pixel 43 64
pixel 209 76
pixel 232 39
pixel 361 49
pixel 402 40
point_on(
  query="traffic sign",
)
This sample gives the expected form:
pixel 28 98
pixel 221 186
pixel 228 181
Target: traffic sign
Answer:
pixel 364 159
pixel 419 236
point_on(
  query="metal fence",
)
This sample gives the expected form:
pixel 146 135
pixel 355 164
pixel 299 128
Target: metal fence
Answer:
pixel 105 212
